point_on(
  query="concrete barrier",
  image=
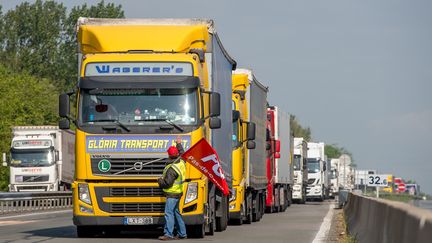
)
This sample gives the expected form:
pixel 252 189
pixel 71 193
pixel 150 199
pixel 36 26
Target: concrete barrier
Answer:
pixel 379 220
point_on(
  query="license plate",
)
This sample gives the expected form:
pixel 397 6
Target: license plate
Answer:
pixel 138 220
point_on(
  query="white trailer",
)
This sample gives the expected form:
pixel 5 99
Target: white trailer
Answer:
pixel 300 170
pixel 284 171
pixel 334 177
pixel 316 171
pixel 41 158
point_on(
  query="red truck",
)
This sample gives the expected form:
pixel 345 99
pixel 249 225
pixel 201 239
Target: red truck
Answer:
pixel 279 160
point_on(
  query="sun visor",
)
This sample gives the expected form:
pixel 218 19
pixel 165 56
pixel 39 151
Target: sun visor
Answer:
pixel 131 82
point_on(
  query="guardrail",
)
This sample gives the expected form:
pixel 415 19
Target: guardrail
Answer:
pixel 380 220
pixel 18 202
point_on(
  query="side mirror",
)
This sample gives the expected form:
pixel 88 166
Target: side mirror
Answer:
pixel 215 123
pixel 324 167
pixel 4 160
pixel 214 104
pixel 277 145
pixel 235 115
pixel 251 131
pixel 277 155
pixel 57 155
pixel 64 106
pixel 64 124
pixel 250 145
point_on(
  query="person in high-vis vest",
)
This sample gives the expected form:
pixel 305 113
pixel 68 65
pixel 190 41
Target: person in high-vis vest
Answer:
pixel 172 184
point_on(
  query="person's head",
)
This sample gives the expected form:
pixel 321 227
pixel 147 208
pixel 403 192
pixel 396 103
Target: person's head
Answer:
pixel 173 152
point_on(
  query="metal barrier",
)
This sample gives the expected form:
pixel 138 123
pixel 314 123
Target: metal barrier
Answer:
pixel 19 202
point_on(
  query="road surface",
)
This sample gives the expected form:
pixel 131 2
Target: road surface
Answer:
pixel 299 223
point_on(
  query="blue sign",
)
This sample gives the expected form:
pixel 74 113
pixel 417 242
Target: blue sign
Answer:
pixel 133 144
pixel 139 69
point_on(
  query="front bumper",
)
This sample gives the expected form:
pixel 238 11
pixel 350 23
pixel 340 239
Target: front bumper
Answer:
pixel 297 192
pixel 31 187
pixel 314 192
pixel 107 220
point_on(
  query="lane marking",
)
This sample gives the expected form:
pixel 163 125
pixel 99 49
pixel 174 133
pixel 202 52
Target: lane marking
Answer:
pixel 321 236
pixel 35 214
pixel 15 222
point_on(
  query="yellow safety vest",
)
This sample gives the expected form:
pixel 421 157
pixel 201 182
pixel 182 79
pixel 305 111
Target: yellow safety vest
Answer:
pixel 180 168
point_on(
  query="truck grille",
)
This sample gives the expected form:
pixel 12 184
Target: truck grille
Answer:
pixel 36 178
pixel 136 192
pixel 127 167
pixel 137 207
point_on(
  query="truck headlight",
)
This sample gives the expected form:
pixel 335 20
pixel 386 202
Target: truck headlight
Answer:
pixel 18 178
pixel 233 195
pixel 84 193
pixel 191 192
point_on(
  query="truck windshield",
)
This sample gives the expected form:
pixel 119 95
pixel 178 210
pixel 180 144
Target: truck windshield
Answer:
pixel 313 165
pixel 139 106
pixel 31 158
pixel 297 164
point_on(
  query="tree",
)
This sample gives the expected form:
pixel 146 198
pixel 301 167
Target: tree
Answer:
pixel 298 130
pixel 40 39
pixel 26 100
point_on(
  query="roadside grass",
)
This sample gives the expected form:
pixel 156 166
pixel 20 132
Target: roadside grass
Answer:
pixel 347 238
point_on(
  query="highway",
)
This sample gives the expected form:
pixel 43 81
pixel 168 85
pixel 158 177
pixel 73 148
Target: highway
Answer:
pixel 299 223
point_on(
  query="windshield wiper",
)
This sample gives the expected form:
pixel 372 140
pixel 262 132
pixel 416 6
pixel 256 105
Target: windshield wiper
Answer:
pixel 114 121
pixel 167 121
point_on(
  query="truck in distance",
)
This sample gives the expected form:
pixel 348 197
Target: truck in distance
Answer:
pixel 280 170
pixel 316 171
pixel 41 159
pixel 300 170
pixel 249 169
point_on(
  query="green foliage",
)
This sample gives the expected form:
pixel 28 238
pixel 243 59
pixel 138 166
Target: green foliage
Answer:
pixel 333 151
pixel 298 130
pixel 38 60
pixel 39 38
pixel 26 100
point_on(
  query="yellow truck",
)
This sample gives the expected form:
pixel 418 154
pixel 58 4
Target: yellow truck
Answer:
pixel 247 202
pixel 142 83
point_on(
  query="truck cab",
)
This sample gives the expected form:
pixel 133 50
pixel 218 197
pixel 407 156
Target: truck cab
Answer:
pixel 300 170
pixel 36 162
pixel 143 83
pixel 316 172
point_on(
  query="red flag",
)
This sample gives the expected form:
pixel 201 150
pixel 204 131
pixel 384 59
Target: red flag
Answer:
pixel 203 157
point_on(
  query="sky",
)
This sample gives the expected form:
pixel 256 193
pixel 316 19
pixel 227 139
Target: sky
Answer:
pixel 359 73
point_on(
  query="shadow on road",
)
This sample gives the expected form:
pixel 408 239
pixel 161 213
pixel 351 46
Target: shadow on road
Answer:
pixel 70 232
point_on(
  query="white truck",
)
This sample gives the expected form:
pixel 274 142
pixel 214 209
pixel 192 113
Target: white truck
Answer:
pixel 316 172
pixel 334 177
pixel 41 159
pixel 300 170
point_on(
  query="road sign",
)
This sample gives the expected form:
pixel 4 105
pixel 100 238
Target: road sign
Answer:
pixel 377 180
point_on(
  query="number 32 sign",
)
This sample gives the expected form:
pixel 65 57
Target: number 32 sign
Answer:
pixel 377 180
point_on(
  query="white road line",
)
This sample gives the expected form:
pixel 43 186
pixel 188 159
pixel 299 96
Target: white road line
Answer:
pixel 35 214
pixel 325 226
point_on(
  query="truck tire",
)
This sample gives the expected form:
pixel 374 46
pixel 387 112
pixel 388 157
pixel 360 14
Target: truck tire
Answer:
pixel 211 227
pixel 248 213
pixel 256 210
pixel 196 231
pixel 222 221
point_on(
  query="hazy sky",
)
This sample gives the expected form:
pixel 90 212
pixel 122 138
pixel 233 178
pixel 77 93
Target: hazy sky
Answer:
pixel 359 73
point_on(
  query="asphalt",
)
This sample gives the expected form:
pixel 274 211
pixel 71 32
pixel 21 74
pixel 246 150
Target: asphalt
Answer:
pixel 299 223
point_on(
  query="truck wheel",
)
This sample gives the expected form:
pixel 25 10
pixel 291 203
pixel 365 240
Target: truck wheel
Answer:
pixel 196 231
pixel 248 213
pixel 222 221
pixel 211 227
pixel 256 208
